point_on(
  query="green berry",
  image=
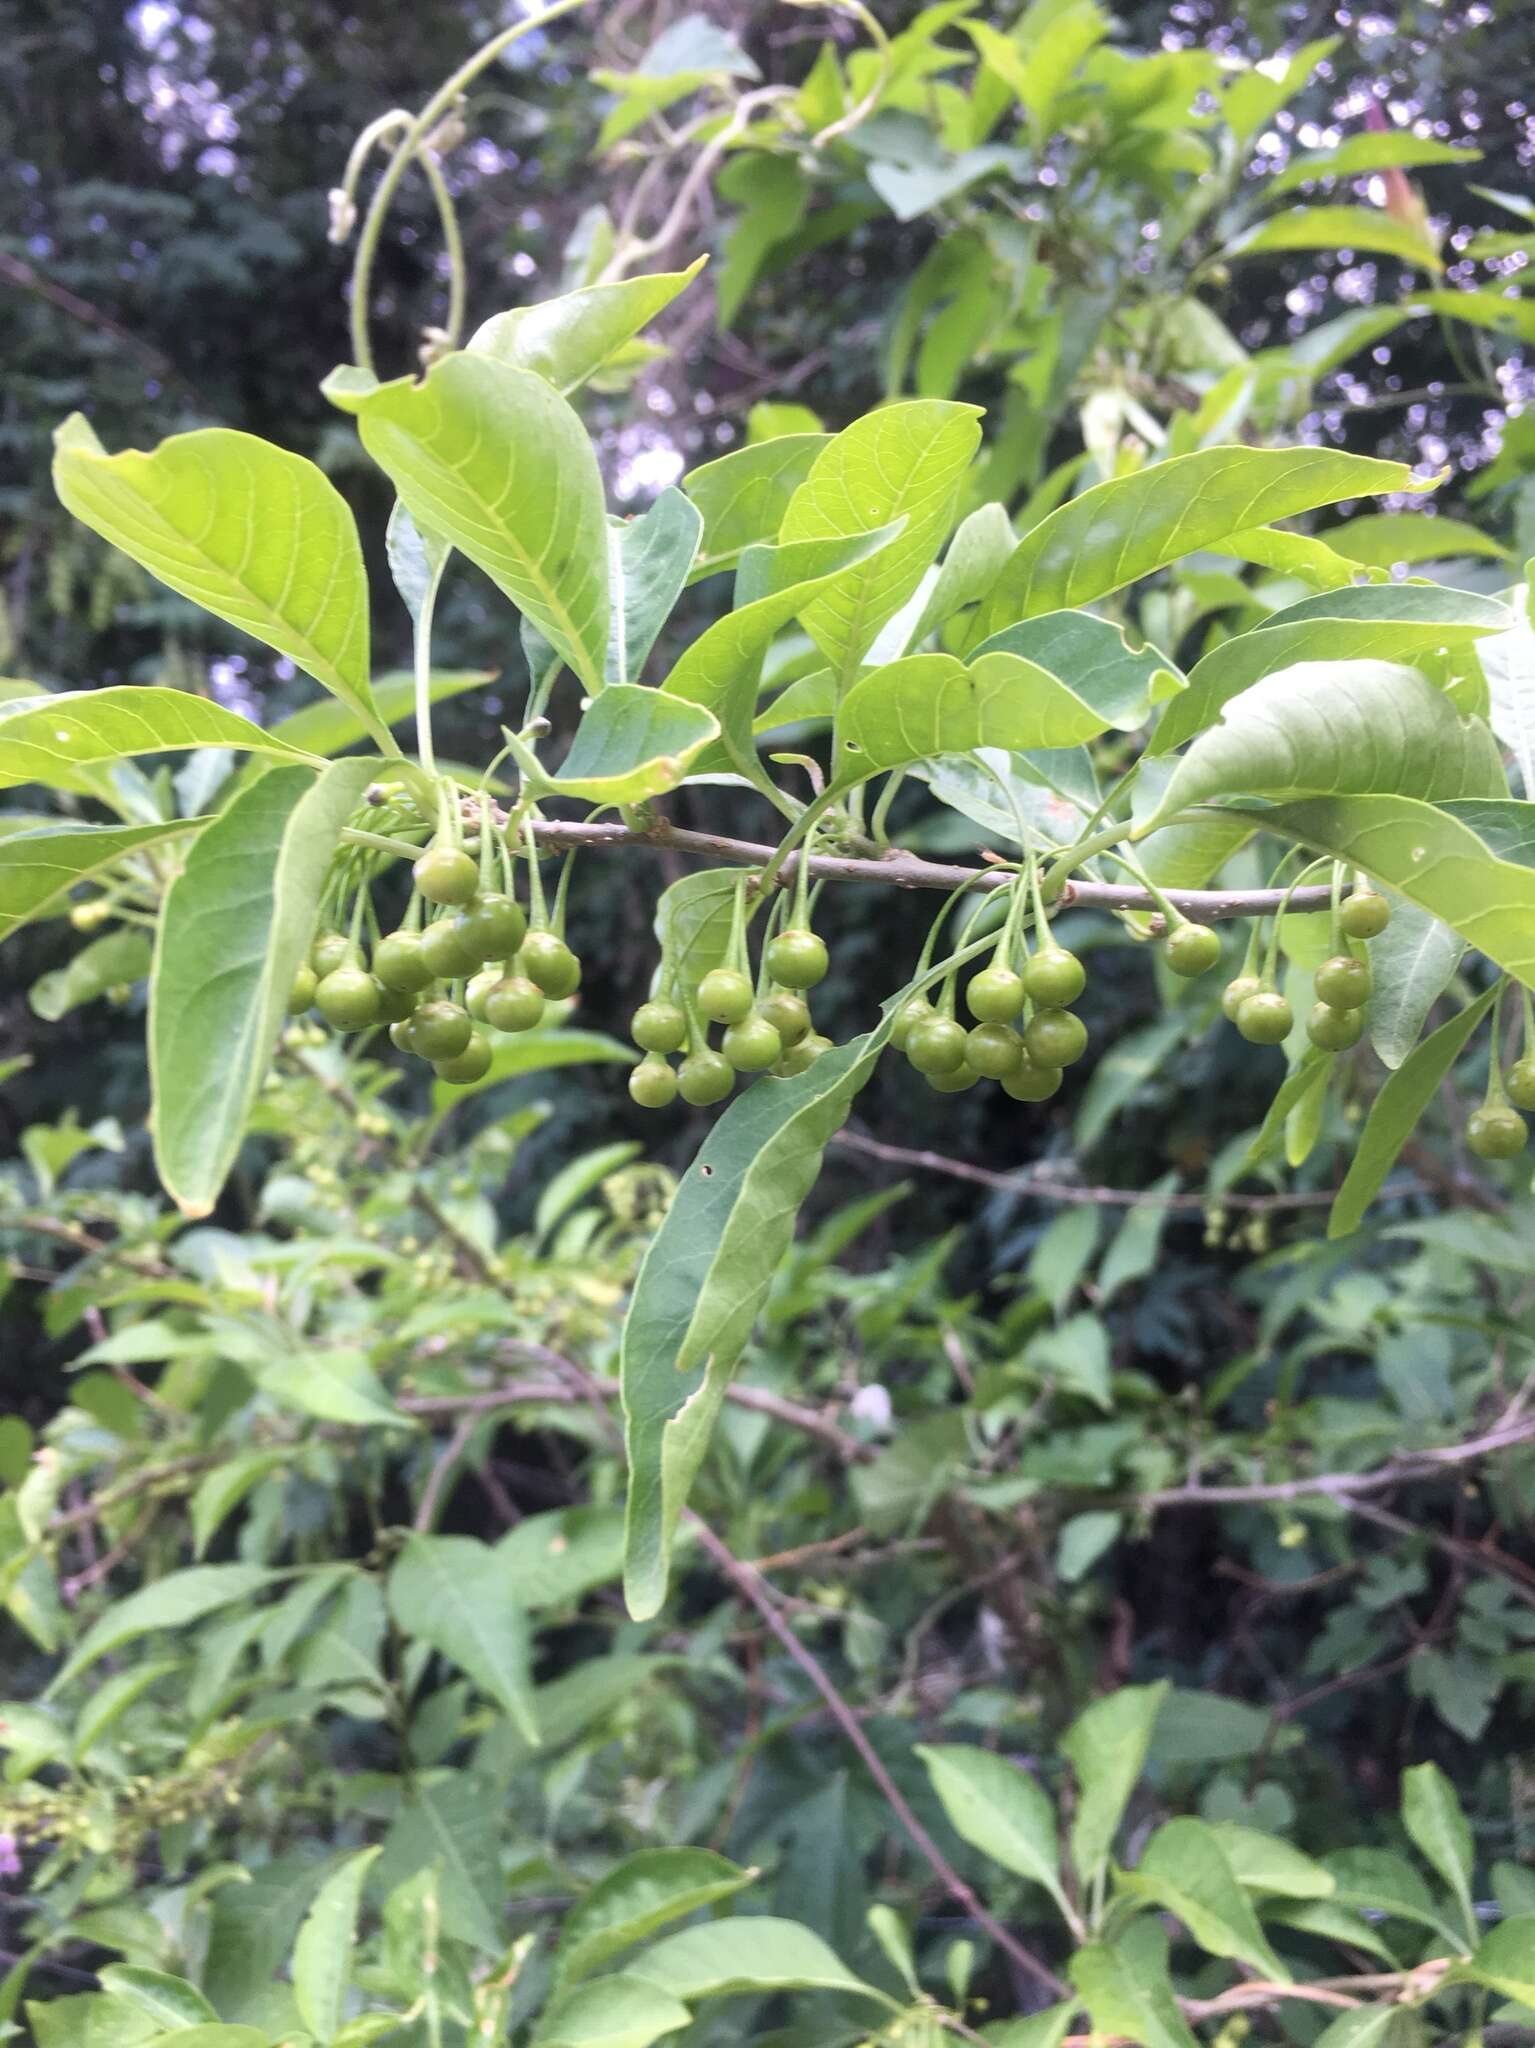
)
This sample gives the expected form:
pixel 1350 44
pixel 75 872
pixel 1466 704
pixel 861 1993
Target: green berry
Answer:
pixel 788 1013
pixel 1029 1082
pixel 477 990
pixel 446 874
pixel 444 951
pixel 472 1064
pixel 704 1078
pixel 301 995
pixel 1265 1017
pixel 1053 977
pixel 994 1050
pixel 545 958
pixel 995 996
pixel 752 1046
pixel 1192 949
pixel 1496 1132
pixel 394 1004
pixel 402 1036
pixel 797 958
pixel 1364 914
pixel 725 995
pixel 495 924
pixel 659 1026
pixel 514 1004
pixel 652 1084
pixel 799 1057
pixel 936 1045
pixel 1344 982
pixel 440 1030
pixel 910 1014
pixel 348 999
pixel 1054 1038
pixel 1236 992
pixel 330 951
pixel 1334 1030
pixel 1521 1082
pixel 398 961
pixel 955 1081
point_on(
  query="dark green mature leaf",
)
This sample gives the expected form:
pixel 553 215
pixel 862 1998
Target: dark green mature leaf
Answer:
pixel 1122 530
pixel 744 496
pixel 621 2011
pixel 454 1820
pixel 1413 960
pixel 60 741
pixel 705 1277
pixel 459 1596
pixel 649 559
pixel 1503 1960
pixel 170 2000
pixel 1376 621
pixel 1000 1810
pixel 1092 657
pixel 632 743
pixel 171 1602
pixel 636 1897
pixel 322 1955
pixel 1106 1746
pixel 1339 227
pixel 755 1953
pixel 246 899
pixel 39 867
pixel 1127 1991
pixel 1432 1814
pixel 568 339
pixel 1186 1872
pixel 114 961
pixel 495 461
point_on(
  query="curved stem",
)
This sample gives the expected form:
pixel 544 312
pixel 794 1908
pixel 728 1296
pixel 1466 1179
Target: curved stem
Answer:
pixel 453 244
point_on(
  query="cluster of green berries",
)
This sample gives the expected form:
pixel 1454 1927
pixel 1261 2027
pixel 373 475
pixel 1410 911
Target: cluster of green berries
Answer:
pixel 1343 987
pixel 766 1033
pixel 1027 1061
pixel 410 982
pixel 1497 1130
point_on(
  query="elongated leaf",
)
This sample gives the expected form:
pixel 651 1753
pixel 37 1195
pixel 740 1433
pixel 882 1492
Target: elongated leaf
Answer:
pixel 537 1052
pixel 632 743
pixel 1092 658
pixel 1357 155
pixel 1106 1746
pixel 1348 728
pixel 495 461
pixel 1120 531
pixel 1298 1089
pixel 257 536
pixel 703 1280
pixel 1377 1882
pixel 975 559
pixel 1253 97
pixel 1302 555
pixel 459 1596
pixel 58 743
pixel 40 867
pixel 1432 1815
pixel 328 726
pixel 744 496
pixel 112 1699
pixel 1395 1112
pixel 1185 1871
pixel 567 340
pixel 1000 1810
pixel 322 1955
pixel 1364 228
pixel 455 1821
pixel 1267 1864
pixel 644 1892
pixel 170 2000
pixel 1127 1991
pixel 89 2021
pixel 332 1381
pixel 755 1953
pixel 905 462
pixel 171 1602
pixel 1508 663
pixel 1514 317
pixel 1369 2027
pixel 246 899
pixel 1381 539
pixel 1413 960
pixel 220 1491
pixel 114 961
pixel 556 1558
pixel 621 2011
pixel 1503 1960
pixel 648 563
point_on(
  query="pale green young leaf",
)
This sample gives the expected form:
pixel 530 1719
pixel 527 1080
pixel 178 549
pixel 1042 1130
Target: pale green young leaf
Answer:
pixel 459 1597
pixel 1360 228
pixel 416 562
pixel 649 560
pixel 1433 1817
pixel 1127 1991
pixel 569 339
pixel 1254 96
pixel 333 1382
pixel 644 1892
pixel 220 1491
pixel 1379 540
pixel 692 924
pixel 172 1602
pixel 1270 1865
pixel 172 2001
pixel 1303 1085
pixel 975 559
pixel 1503 1960
pixel 1093 658
pixel 556 1557
pixel 495 461
pixel 1122 530
pixel 217 2034
pixel 252 533
pixel 632 743
pixel 328 726
pixel 1043 2030
pixel 1413 960
pixel 1513 317
pixel 39 868
pixel 1300 555
pixel 112 1699
pixel 720 1958
pixel 1378 1882
pixel 1000 1810
pixel 1370 2026
pixel 116 960
pixel 1358 155
pixel 1508 663
pixel 322 1955
pixel 743 496
pixel 92 2020
pixel 60 742
pixel 246 898
pixel 1106 1747
pixel 621 2011
pixel 1186 1872
pixel 536 1052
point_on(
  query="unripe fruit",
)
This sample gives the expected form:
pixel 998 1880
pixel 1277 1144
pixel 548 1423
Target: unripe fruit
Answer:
pixel 394 1004
pixel 444 951
pixel 955 1081
pixel 705 1077
pixel 1054 1038
pixel 797 958
pixel 1334 1030
pixel 495 924
pixel 912 1013
pixel 398 961
pixel 545 958
pixel 659 1027
pixel 1053 977
pixel 752 1046
pixel 514 1004
pixel 440 1030
pixel 472 1064
pixel 477 990
pixel 993 1050
pixel 788 1013
pixel 936 1045
pixel 348 999
pixel 1031 1083
pixel 1364 914
pixel 330 951
pixel 445 874
pixel 1496 1132
pixel 1265 1018
pixel 725 995
pixel 1192 949
pixel 1344 982
pixel 402 1036
pixel 652 1084
pixel 1521 1082
pixel 995 996
pixel 803 1055
pixel 1236 992
pixel 301 995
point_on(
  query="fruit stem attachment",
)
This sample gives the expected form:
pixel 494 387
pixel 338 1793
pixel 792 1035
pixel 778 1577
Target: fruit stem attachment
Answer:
pixel 1497 1095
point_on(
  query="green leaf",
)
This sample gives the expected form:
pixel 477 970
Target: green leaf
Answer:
pixel 999 1809
pixel 1044 2030
pixel 1386 622
pixel 1106 1747
pixel 693 923
pixel 904 462
pixel 1093 659
pixel 495 461
pixel 116 960
pixel 220 1491
pixel 1186 1872
pixel 569 339
pixel 743 496
pixel 112 1699
pixel 1122 530
pixel 705 1276
pixel 1503 1960
pixel 458 1596
pixel 557 1557
pixel 772 193
pixel 720 1958
pixel 1381 539
pixel 457 1822
pixel 1414 960
pixel 632 743
pixel 327 727
pixel 1254 97
pixel 1512 317
pixel 1338 227
pixel 644 1892
pixel 1369 2027
pixel 1268 1864
pixel 246 899
pixel 91 2021
pixel 1358 155
pixel 170 2000
pixel 218 2034
pixel 334 1382
pixel 537 1052
pixel 253 534
pixel 59 742
pixel 1083 1539
pixel 172 1602
pixel 1508 663
pixel 1344 728
pixel 649 559
pixel 322 1955
pixel 1377 1882
pixel 1127 1991
pixel 621 2011
pixel 38 868
pixel 1298 1090
pixel 1432 1816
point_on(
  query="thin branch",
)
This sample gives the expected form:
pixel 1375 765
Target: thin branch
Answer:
pixel 442 1468
pixel 1348 1485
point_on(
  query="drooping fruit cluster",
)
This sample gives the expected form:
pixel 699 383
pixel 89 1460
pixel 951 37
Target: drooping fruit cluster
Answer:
pixel 1497 1130
pixel 1253 1002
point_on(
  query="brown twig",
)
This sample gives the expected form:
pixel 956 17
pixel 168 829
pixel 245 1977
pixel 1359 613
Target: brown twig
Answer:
pixel 442 1468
